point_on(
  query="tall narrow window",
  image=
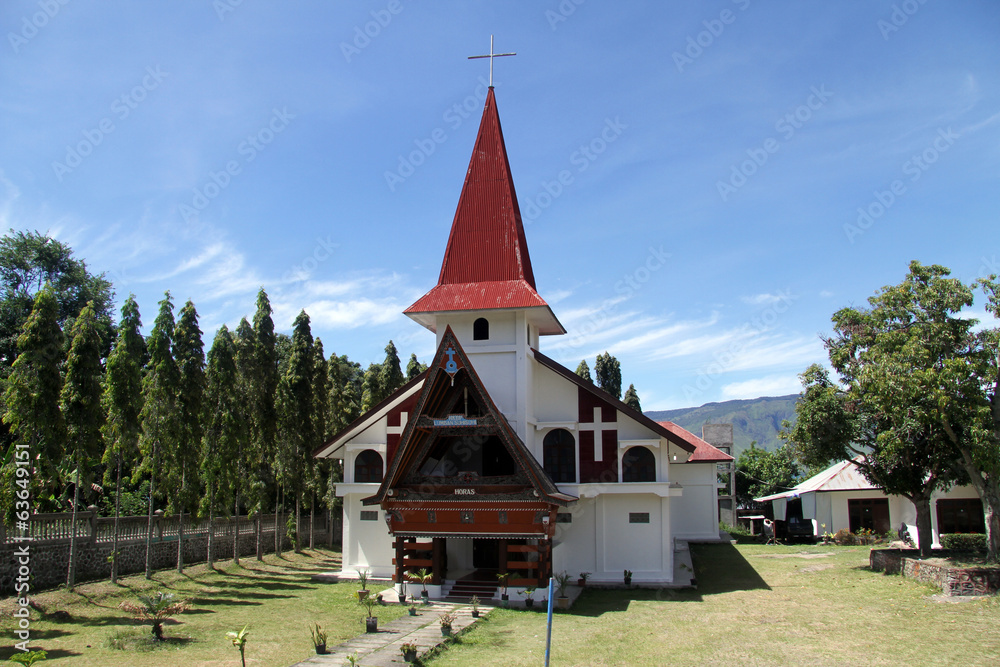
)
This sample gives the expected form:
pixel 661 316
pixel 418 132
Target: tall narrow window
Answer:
pixel 481 329
pixel 368 467
pixel 559 456
pixel 638 465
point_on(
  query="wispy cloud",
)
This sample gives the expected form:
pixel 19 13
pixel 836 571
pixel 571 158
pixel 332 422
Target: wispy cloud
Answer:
pixel 771 385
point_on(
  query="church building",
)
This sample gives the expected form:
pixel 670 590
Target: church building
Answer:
pixel 499 459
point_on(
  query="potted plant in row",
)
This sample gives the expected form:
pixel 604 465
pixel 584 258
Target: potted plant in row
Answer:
pixel 319 639
pixel 413 610
pixel 371 622
pixel 628 577
pixel 446 621
pixel 424 577
pixel 402 591
pixel 363 583
pixel 582 581
pixel 528 594
pixel 562 581
pixel 409 651
pixel 503 577
pixel 475 606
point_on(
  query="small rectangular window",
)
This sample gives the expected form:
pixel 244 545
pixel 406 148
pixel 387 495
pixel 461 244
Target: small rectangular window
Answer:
pixel 368 515
pixel 565 517
pixel 638 517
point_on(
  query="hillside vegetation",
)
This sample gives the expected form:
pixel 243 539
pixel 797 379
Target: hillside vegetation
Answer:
pixel 752 419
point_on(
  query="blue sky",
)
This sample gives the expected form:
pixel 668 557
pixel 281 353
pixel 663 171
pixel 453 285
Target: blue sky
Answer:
pixel 703 183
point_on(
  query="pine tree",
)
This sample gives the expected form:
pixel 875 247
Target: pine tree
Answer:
pixel 84 415
pixel 253 480
pixel 608 374
pixel 583 370
pixel 31 398
pixel 391 376
pixel 263 392
pixel 345 392
pixel 371 387
pixel 222 463
pixel 122 405
pixel 631 398
pixel 160 416
pixel 318 472
pixel 182 469
pixel 295 422
pixel 414 368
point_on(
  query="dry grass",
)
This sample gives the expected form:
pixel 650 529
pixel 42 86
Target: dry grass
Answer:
pixel 276 598
pixel 756 605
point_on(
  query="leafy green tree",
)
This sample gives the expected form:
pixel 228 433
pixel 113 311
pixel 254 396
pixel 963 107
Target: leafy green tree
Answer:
pixel 82 410
pixel 182 463
pixel 761 473
pixel 28 262
pixel 631 398
pixel 345 392
pixel 295 416
pixel 31 399
pixel 122 405
pixel 583 370
pixel 160 416
pixel 262 389
pixel 318 471
pixel 608 374
pixel 392 377
pixel 414 368
pixel 371 383
pixel 223 466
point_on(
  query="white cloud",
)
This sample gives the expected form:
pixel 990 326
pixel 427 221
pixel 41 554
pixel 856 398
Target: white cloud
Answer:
pixel 771 385
pixel 765 298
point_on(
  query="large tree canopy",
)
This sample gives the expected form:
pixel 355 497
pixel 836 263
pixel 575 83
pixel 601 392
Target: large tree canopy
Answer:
pixel 29 261
pixel 761 473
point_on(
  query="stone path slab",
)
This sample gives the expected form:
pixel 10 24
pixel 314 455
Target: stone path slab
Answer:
pixel 382 648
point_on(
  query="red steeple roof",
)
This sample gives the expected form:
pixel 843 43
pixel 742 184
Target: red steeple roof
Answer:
pixel 486 264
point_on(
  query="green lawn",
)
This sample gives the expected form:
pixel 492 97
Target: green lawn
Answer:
pixel 276 598
pixel 755 605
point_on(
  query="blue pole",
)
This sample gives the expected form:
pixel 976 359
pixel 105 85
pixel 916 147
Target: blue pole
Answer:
pixel 548 633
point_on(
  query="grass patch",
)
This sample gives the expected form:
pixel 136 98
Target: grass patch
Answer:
pixel 755 605
pixel 276 598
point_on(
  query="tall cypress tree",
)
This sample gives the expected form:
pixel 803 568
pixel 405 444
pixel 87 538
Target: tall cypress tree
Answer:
pixel 81 405
pixel 254 466
pixel 631 398
pixel 608 374
pixel 31 398
pixel 182 470
pixel 345 392
pixel 295 418
pixel 122 405
pixel 414 367
pixel 264 388
pixel 222 463
pixel 583 370
pixel 318 472
pixel 160 416
pixel 392 377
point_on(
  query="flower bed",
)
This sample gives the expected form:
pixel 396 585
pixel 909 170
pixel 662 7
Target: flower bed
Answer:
pixel 952 580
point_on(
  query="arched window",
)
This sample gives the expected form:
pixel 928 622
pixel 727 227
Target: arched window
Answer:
pixel 481 329
pixel 368 467
pixel 638 465
pixel 559 456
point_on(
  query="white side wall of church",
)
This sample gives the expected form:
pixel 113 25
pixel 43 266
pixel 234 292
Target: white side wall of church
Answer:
pixel 367 544
pixel 576 542
pixel 695 514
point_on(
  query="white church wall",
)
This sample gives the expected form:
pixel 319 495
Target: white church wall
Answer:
pixel 555 397
pixel 695 514
pixel 374 434
pixel 622 545
pixel 367 544
pixel 575 549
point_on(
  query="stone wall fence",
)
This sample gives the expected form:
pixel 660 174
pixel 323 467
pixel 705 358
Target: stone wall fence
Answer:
pixel 49 535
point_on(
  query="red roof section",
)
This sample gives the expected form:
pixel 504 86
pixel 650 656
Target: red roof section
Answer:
pixel 486 264
pixel 703 451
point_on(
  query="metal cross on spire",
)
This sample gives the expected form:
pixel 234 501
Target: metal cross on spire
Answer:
pixel 491 56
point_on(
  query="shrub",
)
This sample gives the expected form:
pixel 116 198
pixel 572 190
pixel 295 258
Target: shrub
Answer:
pixel 154 609
pixel 735 531
pixel 964 542
pixel 844 537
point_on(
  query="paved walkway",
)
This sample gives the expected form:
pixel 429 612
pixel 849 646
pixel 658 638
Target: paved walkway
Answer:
pixel 381 649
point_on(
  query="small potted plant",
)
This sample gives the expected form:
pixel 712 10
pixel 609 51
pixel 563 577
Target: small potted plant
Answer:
pixel 628 577
pixel 363 582
pixel 475 606
pixel 582 581
pixel 503 577
pixel 528 594
pixel 402 590
pixel 409 651
pixel 424 577
pixel 319 639
pixel 446 621
pixel 413 610
pixel 369 603
pixel 562 581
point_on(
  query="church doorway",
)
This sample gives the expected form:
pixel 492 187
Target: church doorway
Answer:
pixel 486 554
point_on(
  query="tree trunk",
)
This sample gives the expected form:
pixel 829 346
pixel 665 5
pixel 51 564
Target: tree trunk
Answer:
pixel 180 541
pixel 149 526
pixel 312 519
pixel 991 516
pixel 259 530
pixel 236 528
pixel 71 570
pixel 114 538
pixel 277 504
pixel 210 556
pixel 925 537
pixel 298 524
